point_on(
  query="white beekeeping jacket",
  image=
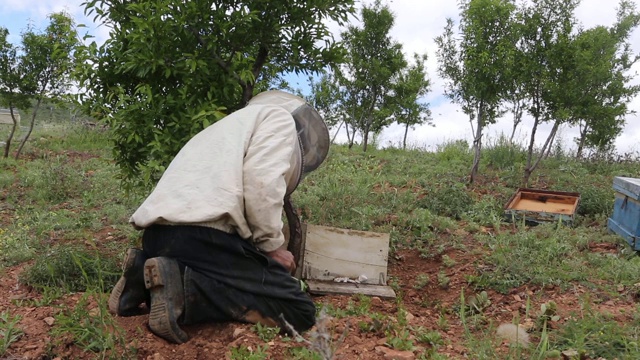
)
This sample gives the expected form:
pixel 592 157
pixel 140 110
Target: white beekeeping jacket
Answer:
pixel 232 176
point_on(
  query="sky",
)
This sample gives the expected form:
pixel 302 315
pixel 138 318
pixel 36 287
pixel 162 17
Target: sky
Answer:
pixel 417 23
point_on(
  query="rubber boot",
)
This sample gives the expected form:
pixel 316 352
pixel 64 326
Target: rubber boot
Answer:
pixel 129 292
pixel 163 279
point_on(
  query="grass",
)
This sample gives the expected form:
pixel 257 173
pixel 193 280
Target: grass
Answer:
pixel 63 217
pixel 9 331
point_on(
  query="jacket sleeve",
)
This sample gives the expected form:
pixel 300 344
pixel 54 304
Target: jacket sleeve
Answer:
pixel 267 159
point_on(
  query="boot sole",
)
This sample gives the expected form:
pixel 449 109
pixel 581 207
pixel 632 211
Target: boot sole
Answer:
pixel 159 272
pixel 116 293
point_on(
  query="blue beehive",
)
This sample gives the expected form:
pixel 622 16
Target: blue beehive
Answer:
pixel 625 220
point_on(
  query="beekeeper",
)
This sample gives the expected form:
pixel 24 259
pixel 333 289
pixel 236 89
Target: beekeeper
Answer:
pixel 212 246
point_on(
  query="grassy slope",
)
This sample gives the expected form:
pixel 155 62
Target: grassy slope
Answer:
pixel 64 196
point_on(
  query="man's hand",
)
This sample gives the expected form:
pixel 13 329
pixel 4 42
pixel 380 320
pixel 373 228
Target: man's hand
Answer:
pixel 284 257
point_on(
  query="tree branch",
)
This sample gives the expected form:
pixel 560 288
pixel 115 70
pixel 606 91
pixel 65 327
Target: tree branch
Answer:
pixel 217 58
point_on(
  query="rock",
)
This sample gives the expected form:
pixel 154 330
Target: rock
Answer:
pixel 237 332
pixel 155 356
pixel 514 334
pixel 570 354
pixel 376 301
pixel 528 324
pixel 391 354
pixel 49 320
pixel 18 297
pixel 409 316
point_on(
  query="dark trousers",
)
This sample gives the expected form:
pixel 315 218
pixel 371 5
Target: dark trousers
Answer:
pixel 226 278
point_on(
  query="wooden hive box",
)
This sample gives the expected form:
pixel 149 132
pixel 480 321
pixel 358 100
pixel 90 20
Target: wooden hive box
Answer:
pixel 342 261
pixel 542 206
pixel 625 220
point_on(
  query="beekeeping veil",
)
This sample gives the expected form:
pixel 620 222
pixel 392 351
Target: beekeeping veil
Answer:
pixel 313 135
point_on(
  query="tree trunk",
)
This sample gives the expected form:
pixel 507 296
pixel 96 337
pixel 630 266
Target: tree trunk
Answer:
pixel 530 169
pixel 536 120
pixel 548 151
pixel 7 146
pixel 404 140
pixel 33 121
pixel 477 145
pixel 337 132
pixel 349 138
pixel 517 118
pixel 365 138
pixel 583 138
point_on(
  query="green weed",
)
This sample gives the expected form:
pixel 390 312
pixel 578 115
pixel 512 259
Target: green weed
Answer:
pixel 400 340
pixel 595 335
pixel 72 268
pixel 502 154
pixel 243 352
pixel 303 353
pixel 264 332
pixel 9 331
pixel 443 280
pixel 421 281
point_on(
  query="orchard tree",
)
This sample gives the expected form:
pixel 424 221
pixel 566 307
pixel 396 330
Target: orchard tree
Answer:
pixel 373 64
pixel 601 79
pixel 411 87
pixel 10 73
pixel 516 100
pixel 549 57
pixel 40 70
pixel 172 67
pixel 326 98
pixel 476 61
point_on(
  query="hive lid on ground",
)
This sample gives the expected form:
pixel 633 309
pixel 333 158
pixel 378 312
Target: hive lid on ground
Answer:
pixel 541 206
pixel 627 186
pixel 344 261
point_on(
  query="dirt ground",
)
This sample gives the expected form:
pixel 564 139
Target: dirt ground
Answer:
pixel 425 308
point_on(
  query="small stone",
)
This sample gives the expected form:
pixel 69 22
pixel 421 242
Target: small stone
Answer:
pixel 376 301
pixel 514 334
pixel 570 354
pixel 49 320
pixel 409 316
pixel 18 297
pixel 391 354
pixel 155 356
pixel 237 332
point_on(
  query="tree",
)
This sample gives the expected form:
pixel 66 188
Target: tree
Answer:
pixel 42 69
pixel 373 63
pixel 171 67
pixel 601 80
pixel 326 98
pixel 476 65
pixel 10 95
pixel 546 41
pixel 516 100
pixel 412 85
